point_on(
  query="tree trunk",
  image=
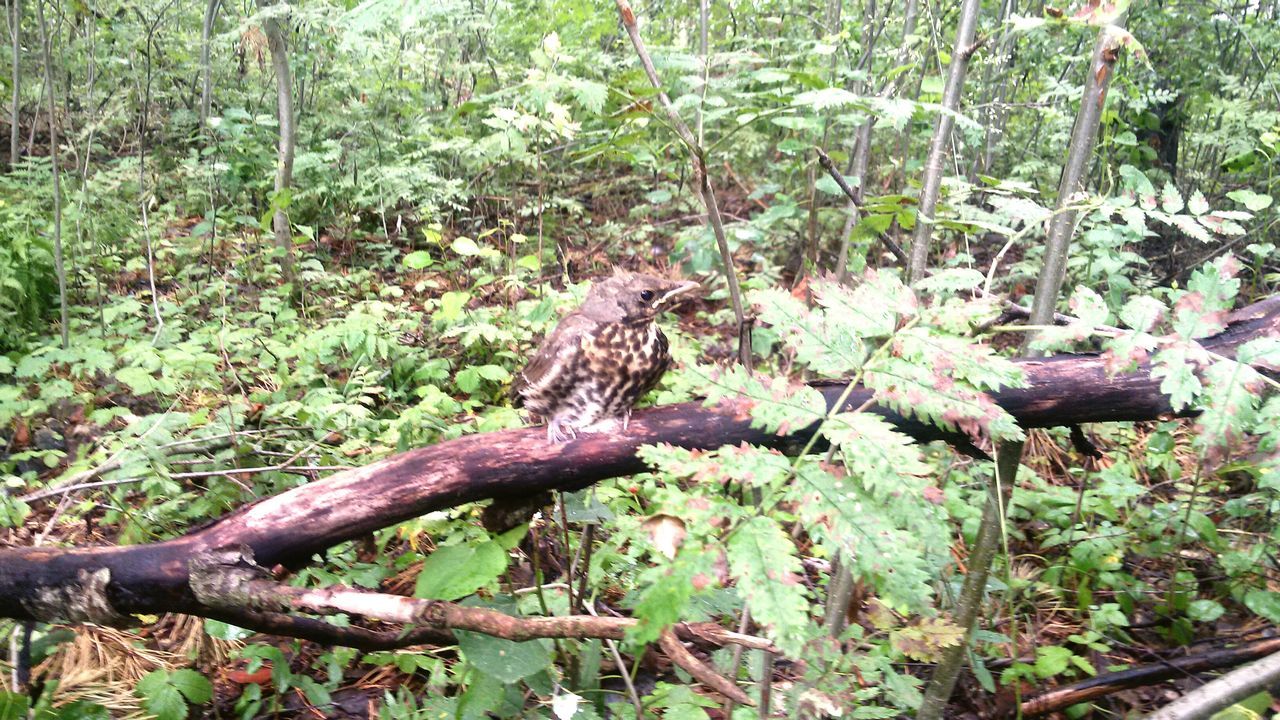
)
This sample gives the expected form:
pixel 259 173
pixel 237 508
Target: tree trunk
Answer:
pixel 860 163
pixel 206 71
pixel 932 181
pixel 284 114
pixel 15 139
pixel 1079 152
pixel 106 584
pixel 58 263
pixel 1008 455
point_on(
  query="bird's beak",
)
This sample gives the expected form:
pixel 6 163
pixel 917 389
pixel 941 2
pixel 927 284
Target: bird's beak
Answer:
pixel 680 288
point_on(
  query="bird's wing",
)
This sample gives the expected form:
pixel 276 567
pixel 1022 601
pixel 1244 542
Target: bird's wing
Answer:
pixel 550 360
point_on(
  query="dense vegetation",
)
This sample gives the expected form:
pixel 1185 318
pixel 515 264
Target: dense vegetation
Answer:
pixel 201 306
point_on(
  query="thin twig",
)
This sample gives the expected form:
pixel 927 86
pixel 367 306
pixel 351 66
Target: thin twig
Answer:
pixel 836 175
pixel 622 665
pixel 705 189
pixel 700 671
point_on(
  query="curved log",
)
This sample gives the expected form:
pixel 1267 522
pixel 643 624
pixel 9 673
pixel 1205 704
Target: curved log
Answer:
pixel 107 584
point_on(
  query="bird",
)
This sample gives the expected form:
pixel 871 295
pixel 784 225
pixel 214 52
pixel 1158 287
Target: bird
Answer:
pixel 601 358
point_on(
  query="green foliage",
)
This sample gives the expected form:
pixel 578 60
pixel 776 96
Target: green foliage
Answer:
pixel 461 168
pixel 166 694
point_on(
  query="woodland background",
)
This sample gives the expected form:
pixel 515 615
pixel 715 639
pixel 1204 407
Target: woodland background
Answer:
pixel 245 246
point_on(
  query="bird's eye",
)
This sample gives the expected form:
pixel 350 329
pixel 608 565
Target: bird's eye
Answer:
pixel 646 295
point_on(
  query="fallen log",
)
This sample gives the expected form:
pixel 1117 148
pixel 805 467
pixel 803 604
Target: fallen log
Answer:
pixel 1061 698
pixel 106 585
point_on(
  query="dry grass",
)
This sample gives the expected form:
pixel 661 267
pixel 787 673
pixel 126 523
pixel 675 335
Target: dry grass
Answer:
pixel 103 665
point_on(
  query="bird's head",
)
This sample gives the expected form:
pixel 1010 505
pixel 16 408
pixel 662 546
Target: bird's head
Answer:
pixel 632 297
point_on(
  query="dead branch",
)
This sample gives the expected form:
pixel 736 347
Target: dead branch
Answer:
pixel 109 584
pixel 1093 688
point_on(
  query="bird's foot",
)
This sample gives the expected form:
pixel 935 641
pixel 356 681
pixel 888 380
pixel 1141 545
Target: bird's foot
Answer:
pixel 560 432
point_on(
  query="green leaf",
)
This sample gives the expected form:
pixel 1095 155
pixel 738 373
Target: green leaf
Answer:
pixel 1143 313
pixel 417 260
pixel 195 687
pixel 160 698
pixel 504 660
pixel 1265 603
pixel 825 98
pixel 464 245
pixel 762 558
pixel 1197 205
pixel 664 595
pixel 1052 660
pixel 13 705
pixel 455 571
pixel 1205 610
pixel 140 382
pixel 1089 306
pixel 451 306
pixel 1251 200
pixel 1171 199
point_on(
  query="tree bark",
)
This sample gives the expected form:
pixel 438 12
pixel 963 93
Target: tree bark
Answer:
pixel 59 264
pixel 1224 692
pixel 274 31
pixel 1009 454
pixel 206 71
pixel 1079 153
pixel 107 584
pixel 15 139
pixel 961 52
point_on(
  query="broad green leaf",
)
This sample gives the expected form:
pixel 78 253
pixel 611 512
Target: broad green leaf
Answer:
pixel 504 660
pixel 455 571
pixel 140 382
pixel 1205 610
pixel 195 687
pixel 1265 603
pixel 464 245
pixel 1251 200
pixel 417 260
pixel 159 697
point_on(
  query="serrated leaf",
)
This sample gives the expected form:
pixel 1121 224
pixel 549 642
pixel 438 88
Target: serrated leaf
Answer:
pixel 195 687
pixel 1171 199
pixel 1179 382
pixel 1052 660
pixel 763 561
pixel 1143 313
pixel 1191 228
pixel 1088 306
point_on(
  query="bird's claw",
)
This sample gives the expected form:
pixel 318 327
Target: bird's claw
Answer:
pixel 560 432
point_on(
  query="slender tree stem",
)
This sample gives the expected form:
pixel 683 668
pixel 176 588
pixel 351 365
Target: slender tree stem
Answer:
pixel 705 189
pixel 1008 454
pixel 933 169
pixel 15 134
pixel 276 43
pixel 58 262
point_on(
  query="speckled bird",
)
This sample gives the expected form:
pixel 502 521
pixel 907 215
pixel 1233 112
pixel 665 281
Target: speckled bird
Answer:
pixel 602 357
